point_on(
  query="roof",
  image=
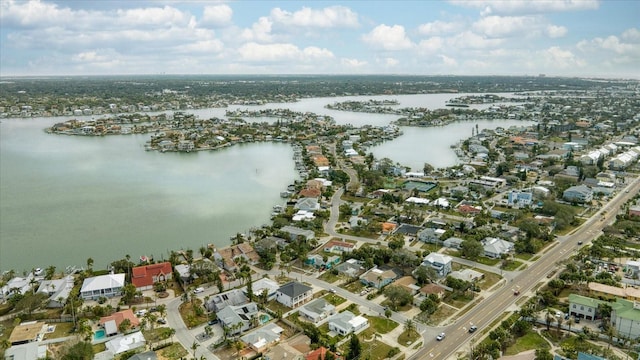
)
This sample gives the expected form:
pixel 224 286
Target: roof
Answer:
pixel 319 354
pixel 108 281
pixel 584 300
pixel 26 332
pixel 120 316
pixel 263 336
pixel 432 289
pixel 626 309
pixel 343 244
pixel 147 355
pixel 373 274
pixel 125 343
pixel 294 289
pixel 347 320
pixel 438 258
pixel 142 276
pixel 616 291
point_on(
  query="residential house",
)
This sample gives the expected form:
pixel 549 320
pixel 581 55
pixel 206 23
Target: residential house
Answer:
pixel 346 322
pixel 427 290
pixel 27 332
pixel 184 272
pixel 307 204
pixel 467 275
pixel 294 294
pixel 520 198
pixel 439 262
pixel 125 343
pixel 147 355
pixel 261 285
pixel 296 233
pixel 238 318
pixel 453 243
pixel 634 210
pixel 408 283
pixel 28 351
pixel 578 193
pixel 111 323
pixel 583 307
pixel 318 261
pixel 109 285
pixel 495 248
pixel 233 297
pixel 351 268
pixel 378 278
pixel 263 338
pixel 58 291
pixel 388 227
pixel 431 235
pixel 321 354
pixel 339 246
pixel 613 292
pixel 18 285
pixel 144 277
pixel 270 243
pixel 317 310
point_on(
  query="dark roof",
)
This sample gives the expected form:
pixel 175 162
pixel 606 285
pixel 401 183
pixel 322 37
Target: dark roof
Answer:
pixel 408 229
pixel 148 355
pixel 294 289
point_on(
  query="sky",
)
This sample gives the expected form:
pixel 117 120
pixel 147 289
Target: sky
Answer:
pixel 587 38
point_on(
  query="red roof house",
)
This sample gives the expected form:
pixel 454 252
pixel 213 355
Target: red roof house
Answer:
pixel 143 277
pixel 112 322
pixel 320 354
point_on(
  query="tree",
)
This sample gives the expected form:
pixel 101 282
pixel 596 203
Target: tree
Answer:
pixel 80 351
pixel 194 347
pixel 543 354
pixel 128 293
pixel 355 348
pixel 471 249
pixel 124 326
pixel 397 295
pixel 409 326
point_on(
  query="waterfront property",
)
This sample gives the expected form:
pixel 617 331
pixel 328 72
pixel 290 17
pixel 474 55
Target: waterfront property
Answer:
pixel 144 277
pixel 58 290
pixel 421 186
pixel 111 324
pixel 109 285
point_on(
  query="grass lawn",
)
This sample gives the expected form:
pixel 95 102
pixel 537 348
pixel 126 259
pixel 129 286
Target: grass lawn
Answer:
pixel 407 338
pixel 62 330
pixel 375 350
pixel 530 341
pixel 174 351
pixel 430 247
pixel 381 325
pixel 512 265
pixel 443 313
pixel 355 287
pixel 489 280
pixel 524 256
pixel 275 306
pixel 334 299
pixel 487 261
pixel 329 277
pixel 99 348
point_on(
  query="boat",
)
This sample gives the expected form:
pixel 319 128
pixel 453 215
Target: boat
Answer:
pixel 457 104
pixel 285 194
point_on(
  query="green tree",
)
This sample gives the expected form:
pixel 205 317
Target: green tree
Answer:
pixel 355 348
pixel 397 295
pixel 543 354
pixel 471 249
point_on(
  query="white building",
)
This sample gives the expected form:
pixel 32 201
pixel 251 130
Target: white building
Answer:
pixel 109 285
pixel 346 322
pixel 294 294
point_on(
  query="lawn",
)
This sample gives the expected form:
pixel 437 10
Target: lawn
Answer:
pixel 487 261
pixel 355 287
pixel 62 330
pixel 190 317
pixel 524 256
pixel 375 350
pixel 443 313
pixel 407 338
pixel 489 280
pixel 334 299
pixel 380 325
pixel 174 351
pixel 530 341
pixel 512 265
pixel 430 247
pixel 329 277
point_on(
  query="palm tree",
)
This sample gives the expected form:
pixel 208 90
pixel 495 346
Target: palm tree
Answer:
pixel 559 322
pixel 570 322
pixel 548 318
pixel 409 326
pixel 194 347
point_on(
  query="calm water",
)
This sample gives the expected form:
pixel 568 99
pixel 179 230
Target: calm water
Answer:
pixel 66 198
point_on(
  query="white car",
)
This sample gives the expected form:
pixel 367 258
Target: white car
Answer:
pixel 440 336
pixel 198 290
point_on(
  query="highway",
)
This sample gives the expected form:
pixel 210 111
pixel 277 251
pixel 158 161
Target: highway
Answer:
pixel 497 303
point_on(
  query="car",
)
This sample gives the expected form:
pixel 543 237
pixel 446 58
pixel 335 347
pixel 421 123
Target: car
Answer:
pixel 333 290
pixel 213 322
pixel 140 313
pixel 579 242
pixel 198 290
pixel 576 320
pixel 440 336
pixel 161 321
pixel 473 329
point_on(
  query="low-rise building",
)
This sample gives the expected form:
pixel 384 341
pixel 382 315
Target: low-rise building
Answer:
pixel 144 277
pixel 578 193
pixel 351 268
pixel 109 285
pixel 495 248
pixel 317 310
pixel 439 262
pixel 346 323
pixel 583 307
pixel 58 290
pixel 263 338
pixel 294 294
pixel 378 278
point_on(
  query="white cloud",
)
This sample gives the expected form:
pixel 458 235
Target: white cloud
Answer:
pixel 255 52
pixel 632 35
pixel 470 40
pixel 260 31
pixel 329 17
pixel 439 28
pixel 203 46
pixel 505 26
pixel 431 45
pixel 352 63
pixel 554 31
pixel 154 16
pixel 448 61
pixel 388 38
pixel 217 15
pixel 558 59
pixel 489 7
pixel 390 62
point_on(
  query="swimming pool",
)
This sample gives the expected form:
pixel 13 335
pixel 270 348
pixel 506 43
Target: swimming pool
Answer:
pixel 99 334
pixel 264 318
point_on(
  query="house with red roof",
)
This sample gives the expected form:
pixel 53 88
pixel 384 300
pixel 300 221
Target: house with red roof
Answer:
pixel 320 354
pixel 144 277
pixel 111 323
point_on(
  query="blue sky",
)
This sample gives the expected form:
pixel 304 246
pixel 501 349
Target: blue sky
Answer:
pixel 457 37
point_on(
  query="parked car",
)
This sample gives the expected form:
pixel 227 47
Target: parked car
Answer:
pixel 198 290
pixel 213 322
pixel 441 336
pixel 161 321
pixel 473 329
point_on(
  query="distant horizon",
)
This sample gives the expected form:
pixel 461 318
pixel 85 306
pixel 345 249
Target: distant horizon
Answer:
pixel 559 38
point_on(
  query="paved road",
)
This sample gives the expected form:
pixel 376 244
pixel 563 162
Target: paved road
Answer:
pixel 496 304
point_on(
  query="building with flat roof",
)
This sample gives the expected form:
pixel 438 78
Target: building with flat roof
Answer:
pixel 27 332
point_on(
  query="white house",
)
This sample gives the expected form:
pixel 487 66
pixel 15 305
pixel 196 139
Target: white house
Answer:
pixel 58 291
pixel 125 343
pixel 261 339
pixel 439 262
pixel 317 310
pixel 294 294
pixel 264 284
pixel 109 285
pixel 346 322
pixel 494 247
